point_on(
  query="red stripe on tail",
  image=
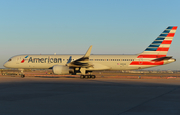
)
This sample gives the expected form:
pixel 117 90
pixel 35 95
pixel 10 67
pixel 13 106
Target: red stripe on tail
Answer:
pixel 162 49
pixel 174 28
pixel 166 42
pixel 170 35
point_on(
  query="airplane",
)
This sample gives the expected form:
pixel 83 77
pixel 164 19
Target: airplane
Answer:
pixel 153 55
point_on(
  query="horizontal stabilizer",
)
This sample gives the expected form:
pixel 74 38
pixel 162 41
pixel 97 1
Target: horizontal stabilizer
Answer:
pixel 162 58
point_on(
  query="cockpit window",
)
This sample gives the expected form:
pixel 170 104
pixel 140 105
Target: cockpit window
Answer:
pixel 9 60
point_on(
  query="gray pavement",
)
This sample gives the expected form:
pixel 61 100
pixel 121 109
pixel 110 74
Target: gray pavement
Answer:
pixel 102 96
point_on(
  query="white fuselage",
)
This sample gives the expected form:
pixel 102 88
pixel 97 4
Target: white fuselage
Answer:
pixel 99 62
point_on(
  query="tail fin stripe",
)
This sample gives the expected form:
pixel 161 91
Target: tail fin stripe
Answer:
pixel 165 45
pixel 154 45
pixel 170 35
pixel 170 27
pixel 151 49
pixel 163 35
pixel 166 31
pixel 157 42
pixel 168 38
pixel 174 28
pixel 172 31
pixel 167 42
pixel 162 49
pixel 160 38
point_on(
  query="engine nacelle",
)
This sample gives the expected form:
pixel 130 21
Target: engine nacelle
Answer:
pixel 60 69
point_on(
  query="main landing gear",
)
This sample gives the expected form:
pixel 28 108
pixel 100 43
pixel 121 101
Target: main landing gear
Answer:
pixel 87 76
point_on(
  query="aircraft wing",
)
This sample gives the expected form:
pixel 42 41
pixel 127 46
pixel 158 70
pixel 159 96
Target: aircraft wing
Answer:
pixel 83 61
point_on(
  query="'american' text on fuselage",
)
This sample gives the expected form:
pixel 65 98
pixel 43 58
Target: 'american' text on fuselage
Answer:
pixel 45 60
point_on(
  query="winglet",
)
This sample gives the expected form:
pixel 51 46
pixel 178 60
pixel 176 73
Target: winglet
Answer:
pixel 88 52
pixel 81 62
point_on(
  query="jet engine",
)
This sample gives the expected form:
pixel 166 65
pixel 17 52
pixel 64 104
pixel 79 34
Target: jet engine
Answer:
pixel 61 69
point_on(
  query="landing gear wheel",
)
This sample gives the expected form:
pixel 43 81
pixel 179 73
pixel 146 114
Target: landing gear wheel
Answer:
pixel 93 76
pixel 82 76
pixel 86 76
pixel 22 76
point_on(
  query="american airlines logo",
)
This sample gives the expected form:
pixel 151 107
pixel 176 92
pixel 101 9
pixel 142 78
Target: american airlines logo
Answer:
pixel 44 60
pixel 24 59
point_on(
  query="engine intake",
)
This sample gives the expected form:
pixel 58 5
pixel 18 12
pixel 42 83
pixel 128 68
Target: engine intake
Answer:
pixel 61 69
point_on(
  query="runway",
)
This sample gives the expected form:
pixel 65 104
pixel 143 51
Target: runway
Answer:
pixel 101 96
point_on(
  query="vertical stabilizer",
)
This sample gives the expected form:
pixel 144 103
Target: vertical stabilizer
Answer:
pixel 156 52
pixel 160 46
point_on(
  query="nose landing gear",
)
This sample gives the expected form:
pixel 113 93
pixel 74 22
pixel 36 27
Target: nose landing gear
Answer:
pixel 22 75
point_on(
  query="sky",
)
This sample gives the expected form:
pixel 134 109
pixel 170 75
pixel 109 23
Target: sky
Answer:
pixel 71 26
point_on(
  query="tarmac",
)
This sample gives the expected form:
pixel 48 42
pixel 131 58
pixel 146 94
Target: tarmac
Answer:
pixel 100 96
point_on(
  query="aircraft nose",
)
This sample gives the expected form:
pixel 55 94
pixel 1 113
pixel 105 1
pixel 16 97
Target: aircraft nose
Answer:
pixel 5 64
